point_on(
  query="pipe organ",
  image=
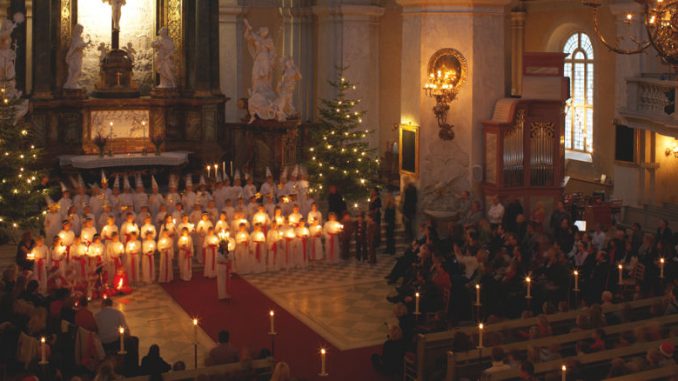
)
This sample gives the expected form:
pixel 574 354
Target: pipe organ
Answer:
pixel 524 140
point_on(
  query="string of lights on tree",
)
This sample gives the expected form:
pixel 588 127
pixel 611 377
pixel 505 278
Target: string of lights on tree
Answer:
pixel 21 192
pixel 339 152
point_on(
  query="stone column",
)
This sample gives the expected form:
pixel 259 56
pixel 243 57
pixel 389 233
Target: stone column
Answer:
pixel 298 43
pixel 29 45
pixel 348 36
pixel 230 56
pixel 517 50
pixel 42 51
pixel 201 47
pixel 475 28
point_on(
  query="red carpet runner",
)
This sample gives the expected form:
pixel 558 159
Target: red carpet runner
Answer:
pixel 246 317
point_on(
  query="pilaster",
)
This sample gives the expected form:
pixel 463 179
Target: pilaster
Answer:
pixel 297 30
pixel 517 50
pixel 230 56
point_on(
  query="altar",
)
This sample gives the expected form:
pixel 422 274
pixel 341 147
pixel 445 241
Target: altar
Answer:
pixel 143 83
pixel 170 159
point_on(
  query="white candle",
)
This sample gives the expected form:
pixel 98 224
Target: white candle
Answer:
pixel 477 294
pixel 122 340
pixel 223 169
pixel 323 357
pixel 576 280
pixel 271 315
pixel 480 335
pixel 661 268
pixel 416 303
pixel 621 271
pixel 208 171
pixel 195 331
pixel 43 350
pixel 564 373
pixel 528 280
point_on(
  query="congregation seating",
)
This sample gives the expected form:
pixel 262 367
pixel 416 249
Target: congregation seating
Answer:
pixel 251 370
pixel 433 346
pixel 648 375
pixel 591 360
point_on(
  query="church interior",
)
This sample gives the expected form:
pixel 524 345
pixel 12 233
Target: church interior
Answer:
pixel 363 190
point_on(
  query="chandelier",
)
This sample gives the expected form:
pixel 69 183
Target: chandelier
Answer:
pixel 660 18
pixel 446 74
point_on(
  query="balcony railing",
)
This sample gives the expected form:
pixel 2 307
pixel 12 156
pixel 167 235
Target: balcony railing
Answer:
pixel 651 103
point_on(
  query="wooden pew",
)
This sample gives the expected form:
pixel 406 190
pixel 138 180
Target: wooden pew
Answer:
pixel 479 356
pixel 437 344
pixel 263 368
pixel 653 374
pixel 542 368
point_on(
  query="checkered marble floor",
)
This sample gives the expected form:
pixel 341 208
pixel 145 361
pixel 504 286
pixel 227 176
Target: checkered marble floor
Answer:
pixel 156 318
pixel 344 303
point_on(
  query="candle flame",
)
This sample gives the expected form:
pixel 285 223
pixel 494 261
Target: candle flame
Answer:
pixel 121 330
pixel 120 284
pixel 42 339
pixel 271 312
pixel 322 351
pixel 195 321
pixel 477 286
pixel 528 279
pixel 564 368
pixel 481 326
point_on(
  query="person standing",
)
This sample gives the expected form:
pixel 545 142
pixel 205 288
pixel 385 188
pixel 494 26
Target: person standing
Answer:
pixel 390 219
pixel 409 209
pixel 375 213
pixel 345 235
pixel 23 248
pixel 361 237
pixel 335 201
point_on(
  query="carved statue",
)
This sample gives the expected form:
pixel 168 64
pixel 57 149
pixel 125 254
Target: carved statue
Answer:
pixel 164 59
pixel 103 50
pixel 286 86
pixel 74 58
pixel 116 8
pixel 8 54
pixel 131 52
pixel 262 98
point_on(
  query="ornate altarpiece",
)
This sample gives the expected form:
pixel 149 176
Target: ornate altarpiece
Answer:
pixel 190 120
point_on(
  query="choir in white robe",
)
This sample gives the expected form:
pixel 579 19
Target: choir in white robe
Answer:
pixel 258 252
pixel 148 261
pixel 241 258
pixel 209 248
pixel 132 259
pixel 316 242
pixel 41 257
pixel 273 257
pixel 113 258
pixel 331 230
pixel 166 250
pixel 185 248
pixel 223 276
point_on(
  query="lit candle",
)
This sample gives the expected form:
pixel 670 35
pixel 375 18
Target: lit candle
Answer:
pixel 563 376
pixel 323 358
pixel 271 315
pixel 576 280
pixel 121 330
pixel 528 280
pixel 31 256
pixel 480 334
pixel 416 303
pixel 477 294
pixel 621 272
pixel 661 268
pixel 43 350
pixel 195 331
pixel 208 171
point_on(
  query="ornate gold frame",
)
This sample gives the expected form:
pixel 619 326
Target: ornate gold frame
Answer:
pixel 414 129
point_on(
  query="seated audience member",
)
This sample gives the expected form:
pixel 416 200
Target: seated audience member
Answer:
pixel 224 352
pixel 152 363
pixel 281 372
pixel 527 371
pixel 498 363
pixel 108 321
pixel 84 318
pixel 390 362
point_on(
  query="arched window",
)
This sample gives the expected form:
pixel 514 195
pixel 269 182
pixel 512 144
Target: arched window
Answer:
pixel 579 108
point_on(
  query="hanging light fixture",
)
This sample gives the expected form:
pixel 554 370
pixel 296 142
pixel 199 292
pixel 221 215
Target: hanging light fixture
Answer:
pixel 660 19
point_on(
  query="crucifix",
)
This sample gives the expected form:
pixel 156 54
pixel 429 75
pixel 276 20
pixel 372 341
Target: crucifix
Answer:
pixel 116 8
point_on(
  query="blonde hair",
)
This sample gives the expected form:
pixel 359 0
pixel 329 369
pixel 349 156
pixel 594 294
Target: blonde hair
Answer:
pixel 281 372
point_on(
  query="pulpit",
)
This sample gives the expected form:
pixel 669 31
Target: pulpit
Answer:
pixel 524 140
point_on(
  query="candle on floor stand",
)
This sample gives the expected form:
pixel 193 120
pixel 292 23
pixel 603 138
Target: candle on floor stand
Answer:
pixel 195 342
pixel 661 268
pixel 43 351
pixel 564 373
pixel 621 272
pixel 121 330
pixel 481 326
pixel 323 358
pixel 528 280
pixel 417 297
pixel 576 280
pixel 272 319
pixel 477 294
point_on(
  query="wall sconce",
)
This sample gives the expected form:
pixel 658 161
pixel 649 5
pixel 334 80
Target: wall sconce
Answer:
pixel 672 150
pixel 446 74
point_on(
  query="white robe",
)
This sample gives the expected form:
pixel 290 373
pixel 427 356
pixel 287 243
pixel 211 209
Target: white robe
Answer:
pixel 148 261
pixel 223 275
pixel 185 258
pixel 41 263
pixel 132 260
pixel 165 269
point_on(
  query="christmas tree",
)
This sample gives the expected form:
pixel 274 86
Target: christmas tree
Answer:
pixel 339 152
pixel 21 195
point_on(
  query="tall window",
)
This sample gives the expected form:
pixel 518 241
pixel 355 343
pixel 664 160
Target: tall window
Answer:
pixel 579 108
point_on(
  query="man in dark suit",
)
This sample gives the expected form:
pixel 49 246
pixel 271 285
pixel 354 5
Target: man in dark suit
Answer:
pixel 335 201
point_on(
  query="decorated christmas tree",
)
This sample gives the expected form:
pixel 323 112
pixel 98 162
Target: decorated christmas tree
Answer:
pixel 21 195
pixel 339 152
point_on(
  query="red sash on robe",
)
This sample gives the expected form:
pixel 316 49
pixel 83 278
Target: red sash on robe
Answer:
pixel 133 266
pixel 167 265
pixel 41 266
pixel 150 264
pixel 331 256
pixel 257 254
pixel 287 251
pixel 83 262
pixel 274 248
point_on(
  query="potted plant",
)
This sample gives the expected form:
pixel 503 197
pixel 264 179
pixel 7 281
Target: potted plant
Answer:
pixel 100 141
pixel 157 141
